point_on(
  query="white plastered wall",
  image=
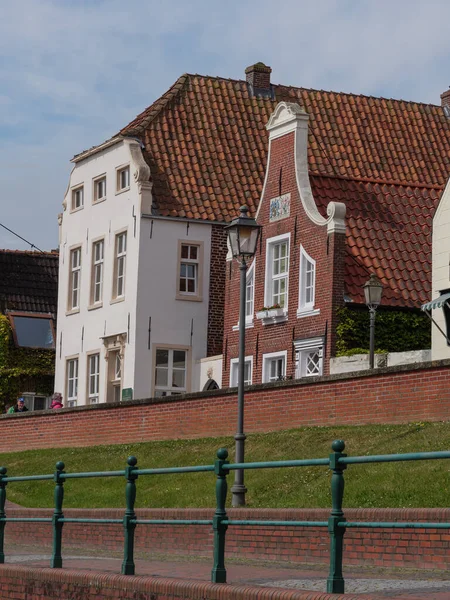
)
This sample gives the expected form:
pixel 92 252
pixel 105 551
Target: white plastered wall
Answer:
pixel 161 318
pixel 81 333
pixel 440 272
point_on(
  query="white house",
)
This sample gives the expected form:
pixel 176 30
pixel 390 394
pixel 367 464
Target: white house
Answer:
pixel 133 286
pixel 439 306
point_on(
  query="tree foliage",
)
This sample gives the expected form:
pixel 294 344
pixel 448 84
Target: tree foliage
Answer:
pixel 395 331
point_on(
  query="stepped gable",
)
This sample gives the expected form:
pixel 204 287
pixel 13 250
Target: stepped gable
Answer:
pixel 206 143
pixel 29 281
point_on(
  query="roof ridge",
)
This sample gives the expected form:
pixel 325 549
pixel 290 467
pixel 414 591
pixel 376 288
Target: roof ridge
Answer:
pixel 30 252
pixel 378 181
pixel 307 89
pixel 155 108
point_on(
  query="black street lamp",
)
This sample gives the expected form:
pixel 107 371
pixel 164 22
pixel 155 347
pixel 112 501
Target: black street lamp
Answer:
pixel 372 292
pixel 243 234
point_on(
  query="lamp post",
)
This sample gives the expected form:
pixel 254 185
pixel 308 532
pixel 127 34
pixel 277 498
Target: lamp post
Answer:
pixel 372 292
pixel 243 234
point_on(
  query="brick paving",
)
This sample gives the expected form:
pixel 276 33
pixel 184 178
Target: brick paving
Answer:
pixel 396 585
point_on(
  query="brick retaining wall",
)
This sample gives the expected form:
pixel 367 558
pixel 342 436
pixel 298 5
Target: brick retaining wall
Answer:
pixel 393 395
pixel 423 548
pixel 23 583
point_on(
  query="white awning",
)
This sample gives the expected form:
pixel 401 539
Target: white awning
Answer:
pixel 437 303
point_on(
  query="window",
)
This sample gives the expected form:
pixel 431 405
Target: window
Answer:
pixel 234 371
pixel 123 178
pixel 189 283
pixel 93 378
pixel 189 269
pixel 274 366
pixel 37 402
pixel 100 189
pixel 72 382
pixel 32 330
pixel 249 294
pixel 119 266
pixel 77 197
pixel 170 372
pixel 308 357
pixel 277 272
pixel 74 279
pixel 97 272
pixel 307 281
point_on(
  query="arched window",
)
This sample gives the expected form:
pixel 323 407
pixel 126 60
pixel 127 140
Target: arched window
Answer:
pixel 211 384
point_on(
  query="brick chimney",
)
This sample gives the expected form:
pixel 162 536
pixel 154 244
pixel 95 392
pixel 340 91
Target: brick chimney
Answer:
pixel 258 79
pixel 445 101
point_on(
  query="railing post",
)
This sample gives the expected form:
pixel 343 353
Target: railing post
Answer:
pixel 219 572
pixel 335 581
pixel 56 560
pixel 129 527
pixel 3 485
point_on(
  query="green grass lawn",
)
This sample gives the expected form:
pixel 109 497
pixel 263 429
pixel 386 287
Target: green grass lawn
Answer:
pixel 414 484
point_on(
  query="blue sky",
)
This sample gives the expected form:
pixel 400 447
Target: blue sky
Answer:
pixel 73 72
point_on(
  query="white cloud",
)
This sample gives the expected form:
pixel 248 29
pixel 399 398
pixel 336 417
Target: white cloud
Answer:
pixel 73 73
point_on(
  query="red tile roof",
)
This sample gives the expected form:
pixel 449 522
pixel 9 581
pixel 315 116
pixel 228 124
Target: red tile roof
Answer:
pixel 29 281
pixel 388 160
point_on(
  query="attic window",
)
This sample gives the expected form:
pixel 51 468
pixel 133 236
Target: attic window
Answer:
pixel 32 330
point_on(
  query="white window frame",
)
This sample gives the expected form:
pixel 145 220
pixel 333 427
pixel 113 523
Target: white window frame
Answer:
pixel 171 390
pixel 97 275
pixel 267 359
pixel 93 377
pixel 96 199
pixel 250 278
pixel 303 348
pixel 234 371
pixel 119 171
pixel 74 274
pixel 196 296
pixel 250 294
pixel 77 193
pixel 306 309
pixel 120 258
pixel 269 277
pixel 72 398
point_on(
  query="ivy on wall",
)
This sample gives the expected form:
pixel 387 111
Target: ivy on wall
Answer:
pixel 20 365
pixel 395 331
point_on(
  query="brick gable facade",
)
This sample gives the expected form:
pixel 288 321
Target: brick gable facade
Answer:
pixel 324 244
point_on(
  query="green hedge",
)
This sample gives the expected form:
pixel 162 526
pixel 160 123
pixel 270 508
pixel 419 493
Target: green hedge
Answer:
pixel 17 365
pixel 395 331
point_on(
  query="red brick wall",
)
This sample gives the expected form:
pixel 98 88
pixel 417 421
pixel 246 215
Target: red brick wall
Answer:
pixel 392 395
pixel 329 255
pixel 216 290
pixel 24 583
pixel 422 548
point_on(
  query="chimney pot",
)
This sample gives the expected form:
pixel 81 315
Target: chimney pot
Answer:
pixel 258 79
pixel 445 99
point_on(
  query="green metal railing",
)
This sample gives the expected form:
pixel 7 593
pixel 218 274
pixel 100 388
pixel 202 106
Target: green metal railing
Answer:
pixel 336 523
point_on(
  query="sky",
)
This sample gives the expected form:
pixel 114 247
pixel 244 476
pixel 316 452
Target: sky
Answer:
pixel 74 72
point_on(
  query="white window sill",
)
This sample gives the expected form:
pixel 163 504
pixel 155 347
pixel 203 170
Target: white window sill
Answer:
pixel 248 325
pixel 72 311
pixel 188 297
pixel 95 306
pixel 99 201
pixel 116 300
pixel 127 189
pixel 272 316
pixel 308 312
pixel 74 210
